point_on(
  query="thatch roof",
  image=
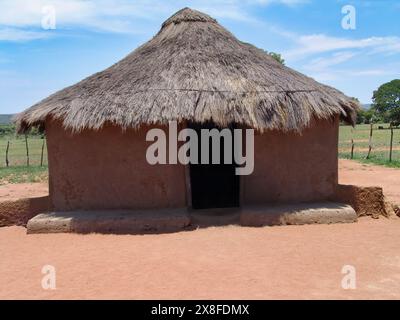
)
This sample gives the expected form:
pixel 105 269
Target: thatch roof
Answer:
pixel 193 69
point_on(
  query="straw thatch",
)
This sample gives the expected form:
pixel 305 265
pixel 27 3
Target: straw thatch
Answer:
pixel 193 69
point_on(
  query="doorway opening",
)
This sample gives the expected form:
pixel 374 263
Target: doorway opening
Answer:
pixel 213 185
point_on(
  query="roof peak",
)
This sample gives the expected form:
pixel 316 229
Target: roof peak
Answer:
pixel 188 15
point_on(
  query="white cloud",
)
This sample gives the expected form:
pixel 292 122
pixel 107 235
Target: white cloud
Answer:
pixel 113 16
pixel 331 67
pixel 122 16
pixel 321 63
pixel 371 72
pixel 343 63
pixel 331 74
pixel 14 34
pixel 307 45
pixel 285 2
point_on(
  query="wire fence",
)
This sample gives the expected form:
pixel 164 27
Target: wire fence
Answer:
pixel 23 151
pixel 375 141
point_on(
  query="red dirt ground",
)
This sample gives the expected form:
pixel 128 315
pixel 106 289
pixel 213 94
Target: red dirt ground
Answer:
pixel 23 190
pixel 294 262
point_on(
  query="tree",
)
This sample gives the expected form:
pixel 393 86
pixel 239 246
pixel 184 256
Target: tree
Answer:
pixel 274 55
pixel 277 57
pixel 387 101
pixel 367 116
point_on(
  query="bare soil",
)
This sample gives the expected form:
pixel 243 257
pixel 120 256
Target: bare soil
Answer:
pixel 23 190
pixel 293 262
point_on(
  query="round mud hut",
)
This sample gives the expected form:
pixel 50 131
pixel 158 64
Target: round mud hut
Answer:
pixel 194 72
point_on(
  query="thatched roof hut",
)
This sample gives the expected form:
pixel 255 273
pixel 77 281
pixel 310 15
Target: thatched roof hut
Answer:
pixel 193 69
pixel 196 72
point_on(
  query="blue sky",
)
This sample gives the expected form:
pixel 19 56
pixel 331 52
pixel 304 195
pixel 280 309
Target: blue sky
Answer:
pixel 91 35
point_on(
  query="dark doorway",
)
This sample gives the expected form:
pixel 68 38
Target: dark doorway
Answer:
pixel 213 185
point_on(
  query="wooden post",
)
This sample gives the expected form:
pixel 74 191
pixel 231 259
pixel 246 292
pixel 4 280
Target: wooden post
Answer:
pixel 8 148
pixel 41 156
pixel 352 144
pixel 370 141
pixel 391 143
pixel 352 149
pixel 27 150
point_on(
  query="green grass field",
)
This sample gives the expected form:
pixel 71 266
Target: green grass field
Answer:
pixel 380 144
pixel 23 174
pixel 18 171
pixel 17 151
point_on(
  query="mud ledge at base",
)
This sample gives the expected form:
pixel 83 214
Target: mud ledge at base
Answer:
pixel 366 201
pixel 173 220
pixel 18 212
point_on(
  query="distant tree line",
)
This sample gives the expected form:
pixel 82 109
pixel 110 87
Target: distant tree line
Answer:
pixel 385 107
pixel 7 130
pixel 371 115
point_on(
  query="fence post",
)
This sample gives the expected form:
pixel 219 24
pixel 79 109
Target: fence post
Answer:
pixel 352 149
pixel 41 156
pixel 8 147
pixel 391 143
pixel 370 141
pixel 27 150
pixel 352 144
